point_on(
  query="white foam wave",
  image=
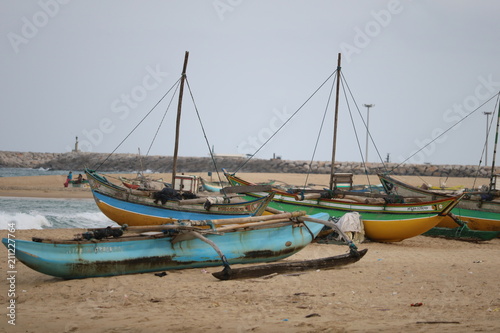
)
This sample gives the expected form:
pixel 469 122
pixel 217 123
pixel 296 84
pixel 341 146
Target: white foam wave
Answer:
pixel 23 221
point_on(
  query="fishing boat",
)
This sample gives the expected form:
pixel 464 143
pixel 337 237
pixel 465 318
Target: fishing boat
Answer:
pixel 177 200
pixel 218 186
pixel 151 207
pixel 385 218
pixel 383 221
pixel 479 210
pixel 212 186
pixel 142 182
pixel 76 183
pixel 477 215
pixel 182 245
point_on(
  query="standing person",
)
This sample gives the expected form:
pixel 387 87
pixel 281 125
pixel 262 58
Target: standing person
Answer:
pixel 68 179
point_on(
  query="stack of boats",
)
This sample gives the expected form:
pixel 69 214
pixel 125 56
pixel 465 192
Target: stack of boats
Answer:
pixel 192 234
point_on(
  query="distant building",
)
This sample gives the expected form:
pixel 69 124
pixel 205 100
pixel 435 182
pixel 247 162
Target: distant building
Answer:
pixel 76 150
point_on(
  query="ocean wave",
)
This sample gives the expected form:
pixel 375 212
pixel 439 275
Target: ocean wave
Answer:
pixel 51 214
pixel 23 221
pixel 81 220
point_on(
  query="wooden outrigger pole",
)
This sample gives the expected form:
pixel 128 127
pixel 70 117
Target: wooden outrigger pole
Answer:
pixel 332 171
pixel 178 122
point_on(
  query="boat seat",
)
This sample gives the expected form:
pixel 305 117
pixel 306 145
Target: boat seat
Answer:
pixel 343 180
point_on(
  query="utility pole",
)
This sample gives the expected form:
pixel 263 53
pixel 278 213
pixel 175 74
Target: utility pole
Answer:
pixel 486 150
pixel 368 106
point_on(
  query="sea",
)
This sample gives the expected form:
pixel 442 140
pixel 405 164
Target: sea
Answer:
pixel 44 213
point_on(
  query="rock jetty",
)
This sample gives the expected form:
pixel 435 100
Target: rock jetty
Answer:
pixel 131 163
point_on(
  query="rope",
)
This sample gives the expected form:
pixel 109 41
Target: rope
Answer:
pixel 450 128
pixel 355 131
pixel 204 132
pixel 354 127
pixel 486 142
pixel 162 119
pixel 286 122
pixel 105 160
pixel 320 130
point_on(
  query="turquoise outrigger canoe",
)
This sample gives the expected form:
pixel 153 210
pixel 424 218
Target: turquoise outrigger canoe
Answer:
pixel 177 247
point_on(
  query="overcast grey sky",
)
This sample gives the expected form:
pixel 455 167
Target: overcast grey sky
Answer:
pixel 93 69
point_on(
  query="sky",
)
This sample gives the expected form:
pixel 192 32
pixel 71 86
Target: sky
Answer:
pixel 95 69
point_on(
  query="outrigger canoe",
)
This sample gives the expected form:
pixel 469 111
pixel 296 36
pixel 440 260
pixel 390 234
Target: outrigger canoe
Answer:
pixel 182 245
pixel 479 211
pixel 151 207
pixel 383 221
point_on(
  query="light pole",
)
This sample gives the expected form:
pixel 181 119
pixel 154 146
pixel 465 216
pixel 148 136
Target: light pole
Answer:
pixel 368 106
pixel 486 150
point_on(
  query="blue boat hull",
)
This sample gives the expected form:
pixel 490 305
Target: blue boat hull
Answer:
pixel 83 259
pixel 139 208
pixel 130 210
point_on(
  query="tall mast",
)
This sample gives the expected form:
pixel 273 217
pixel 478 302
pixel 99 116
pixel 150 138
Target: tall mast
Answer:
pixel 332 171
pixel 493 180
pixel 178 122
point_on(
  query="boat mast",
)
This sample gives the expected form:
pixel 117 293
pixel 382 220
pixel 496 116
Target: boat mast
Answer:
pixel 178 122
pixel 493 179
pixel 332 171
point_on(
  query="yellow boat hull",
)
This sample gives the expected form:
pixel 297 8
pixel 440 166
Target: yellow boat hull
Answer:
pixel 473 223
pixel 132 219
pixel 398 230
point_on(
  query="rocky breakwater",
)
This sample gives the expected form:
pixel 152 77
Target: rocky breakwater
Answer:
pixel 15 159
pixel 131 163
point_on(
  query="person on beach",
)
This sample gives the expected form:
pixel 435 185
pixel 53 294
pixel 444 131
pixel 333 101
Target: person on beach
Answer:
pixel 68 179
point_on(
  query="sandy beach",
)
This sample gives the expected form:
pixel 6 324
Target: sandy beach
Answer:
pixel 453 283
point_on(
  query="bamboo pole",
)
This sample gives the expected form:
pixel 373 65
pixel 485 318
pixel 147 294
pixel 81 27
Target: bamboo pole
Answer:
pixel 331 225
pixel 192 201
pixel 214 246
pixel 202 224
pixel 252 224
pixel 258 218
pixel 307 196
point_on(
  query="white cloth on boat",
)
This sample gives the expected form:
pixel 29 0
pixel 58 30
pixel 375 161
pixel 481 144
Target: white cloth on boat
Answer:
pixel 215 200
pixel 352 225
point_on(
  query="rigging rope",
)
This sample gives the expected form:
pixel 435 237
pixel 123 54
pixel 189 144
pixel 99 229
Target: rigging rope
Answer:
pixel 162 119
pixel 354 127
pixel 485 144
pixel 450 128
pixel 320 129
pixel 105 160
pixel 366 126
pixel 203 130
pixel 286 122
